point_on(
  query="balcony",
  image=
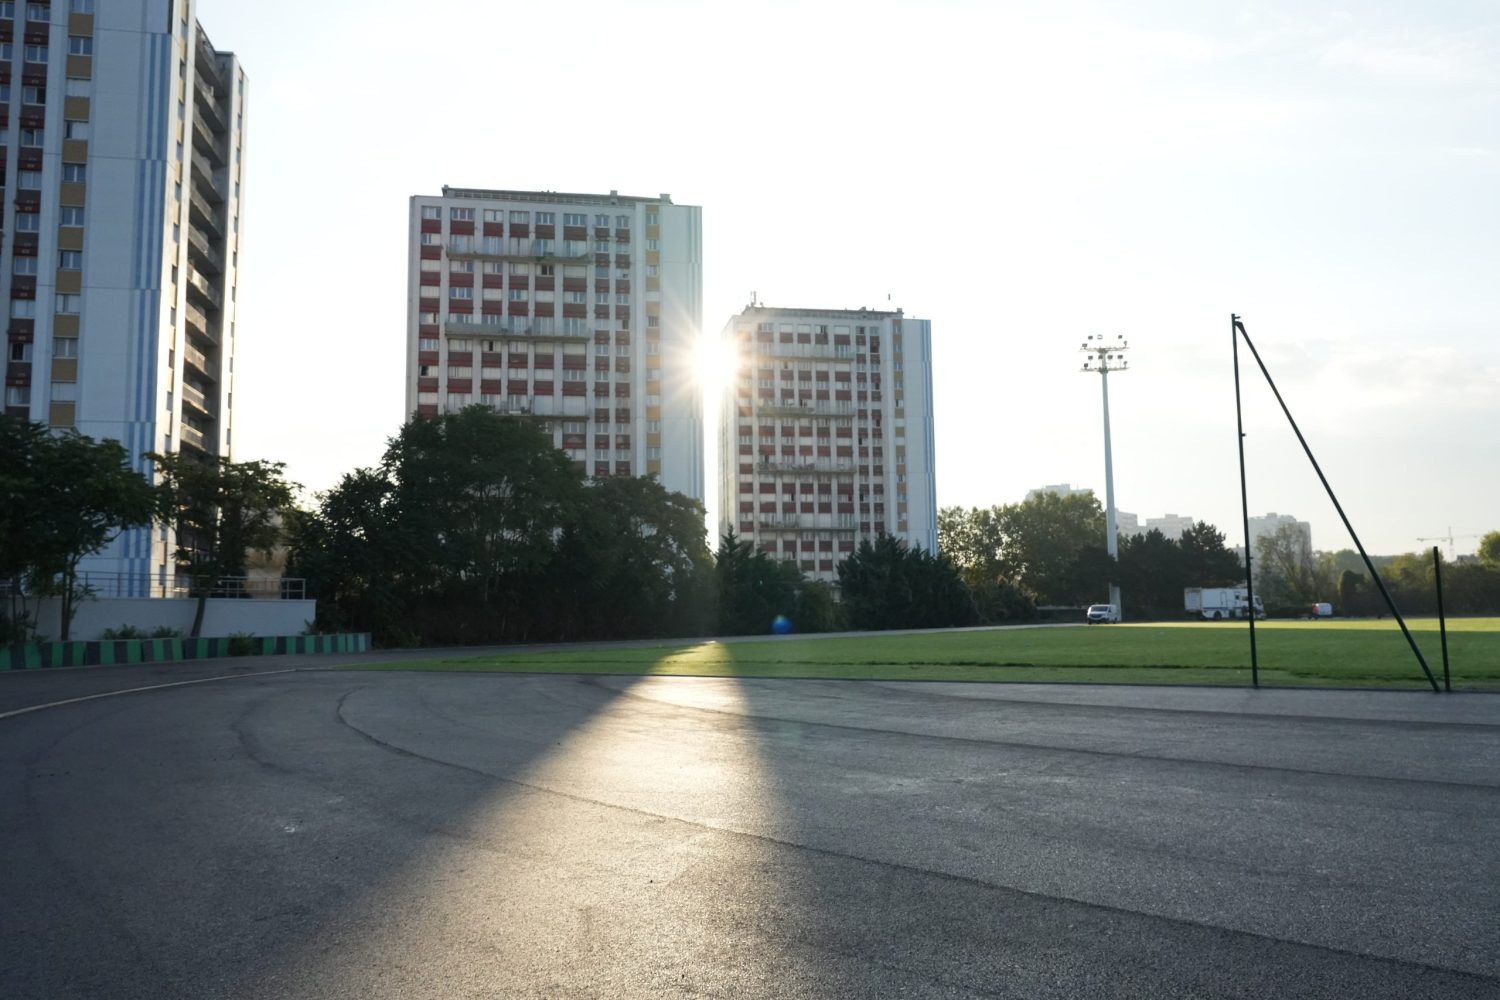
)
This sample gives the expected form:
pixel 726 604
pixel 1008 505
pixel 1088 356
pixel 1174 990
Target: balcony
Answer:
pixel 188 434
pixel 194 397
pixel 203 173
pixel 200 362
pixel 209 109
pixel 530 328
pixel 207 257
pixel 549 256
pixel 805 468
pixel 204 214
pixel 803 410
pixel 205 288
pixel 198 323
pixel 206 142
pixel 778 524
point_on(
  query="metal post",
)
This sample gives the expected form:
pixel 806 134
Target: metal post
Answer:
pixel 1105 357
pixel 1389 603
pixel 1437 575
pixel 1111 533
pixel 1239 421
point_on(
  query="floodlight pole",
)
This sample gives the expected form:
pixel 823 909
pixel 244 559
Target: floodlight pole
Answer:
pixel 1105 357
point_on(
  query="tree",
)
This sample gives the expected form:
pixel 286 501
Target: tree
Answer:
pixel 631 560
pixel 65 496
pixel 753 588
pixel 1044 537
pixel 222 511
pixel 1206 560
pixel 889 584
pixel 1289 574
pixel 1489 550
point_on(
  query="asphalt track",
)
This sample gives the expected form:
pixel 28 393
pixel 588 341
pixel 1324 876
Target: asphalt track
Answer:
pixel 345 834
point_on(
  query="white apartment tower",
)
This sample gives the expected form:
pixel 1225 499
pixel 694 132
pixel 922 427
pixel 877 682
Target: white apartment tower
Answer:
pixel 827 433
pixel 122 224
pixel 582 310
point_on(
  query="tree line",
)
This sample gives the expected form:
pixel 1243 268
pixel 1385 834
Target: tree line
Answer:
pixel 1048 551
pixel 473 528
pixel 65 496
pixel 1291 576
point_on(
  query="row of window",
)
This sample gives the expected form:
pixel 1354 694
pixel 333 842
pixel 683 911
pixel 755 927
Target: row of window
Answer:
pixel 67 260
pixel 78 45
pixel 66 305
pixel 524 269
pixel 43 11
pixel 36 136
pixel 62 347
pixel 525 218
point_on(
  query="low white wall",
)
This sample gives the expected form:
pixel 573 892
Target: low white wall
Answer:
pixel 222 616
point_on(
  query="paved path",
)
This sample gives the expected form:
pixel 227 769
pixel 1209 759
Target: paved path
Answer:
pixel 336 834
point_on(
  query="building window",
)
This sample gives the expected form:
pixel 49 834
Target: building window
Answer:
pixel 546 218
pixel 70 215
pixel 431 212
pixel 518 295
pixel 82 6
pixel 520 216
pixel 80 45
pixel 23 265
pixel 72 260
pixel 73 173
pixel 622 222
pixel 461 214
pixel 7 9
pixel 65 347
pixel 494 215
pixel 28 222
pixel 18 395
pixel 36 53
pixel 653 218
pixel 20 351
pixel 31 137
pixel 575 219
pixel 460 293
pixel 38 12
pixel 427 344
pixel 76 130
pixel 69 304
pixel 653 244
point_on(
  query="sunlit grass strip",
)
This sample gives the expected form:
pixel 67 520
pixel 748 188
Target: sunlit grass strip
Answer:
pixel 1332 653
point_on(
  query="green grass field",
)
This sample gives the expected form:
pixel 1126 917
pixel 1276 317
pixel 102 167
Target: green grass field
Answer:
pixel 1341 653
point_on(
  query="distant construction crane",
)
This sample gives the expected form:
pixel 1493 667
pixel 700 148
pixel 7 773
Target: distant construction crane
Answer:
pixel 1450 538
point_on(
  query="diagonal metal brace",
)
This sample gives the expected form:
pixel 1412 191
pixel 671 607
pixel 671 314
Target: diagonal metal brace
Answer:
pixel 1411 641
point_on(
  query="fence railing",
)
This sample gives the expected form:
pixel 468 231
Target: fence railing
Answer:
pixel 137 585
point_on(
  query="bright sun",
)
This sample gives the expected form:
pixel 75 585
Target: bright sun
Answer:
pixel 714 362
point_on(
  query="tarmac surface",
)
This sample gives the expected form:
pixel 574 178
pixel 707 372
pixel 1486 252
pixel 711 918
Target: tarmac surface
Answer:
pixel 322 833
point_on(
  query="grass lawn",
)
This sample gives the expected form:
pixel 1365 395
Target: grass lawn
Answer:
pixel 1353 653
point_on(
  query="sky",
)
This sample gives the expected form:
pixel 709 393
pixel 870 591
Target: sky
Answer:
pixel 1021 174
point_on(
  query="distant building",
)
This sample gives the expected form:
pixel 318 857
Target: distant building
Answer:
pixel 1171 525
pixel 1127 523
pixel 1059 489
pixel 826 438
pixel 1268 524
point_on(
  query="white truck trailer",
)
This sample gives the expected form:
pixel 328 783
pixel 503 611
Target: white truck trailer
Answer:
pixel 1218 603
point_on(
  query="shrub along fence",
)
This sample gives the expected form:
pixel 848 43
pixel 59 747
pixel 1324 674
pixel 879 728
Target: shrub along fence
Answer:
pixel 40 655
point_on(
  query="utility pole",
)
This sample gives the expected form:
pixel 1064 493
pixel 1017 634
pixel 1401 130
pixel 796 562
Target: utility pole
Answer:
pixel 1105 355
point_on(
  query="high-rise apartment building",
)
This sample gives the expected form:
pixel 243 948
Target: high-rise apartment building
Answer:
pixel 1171 526
pixel 826 436
pixel 582 310
pixel 1269 524
pixel 123 142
